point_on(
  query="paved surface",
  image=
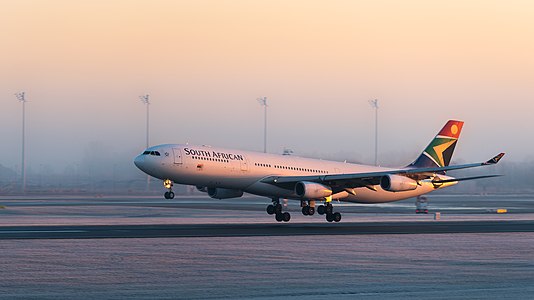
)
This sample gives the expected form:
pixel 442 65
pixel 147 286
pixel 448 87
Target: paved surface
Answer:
pixel 199 248
pixel 232 230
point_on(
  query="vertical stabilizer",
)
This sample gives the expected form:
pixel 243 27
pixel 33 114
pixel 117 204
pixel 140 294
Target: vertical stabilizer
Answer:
pixel 439 152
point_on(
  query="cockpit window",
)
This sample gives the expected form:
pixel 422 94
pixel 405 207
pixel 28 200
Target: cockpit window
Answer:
pixel 155 153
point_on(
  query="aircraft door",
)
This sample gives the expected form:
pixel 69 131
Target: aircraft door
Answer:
pixel 244 165
pixel 177 155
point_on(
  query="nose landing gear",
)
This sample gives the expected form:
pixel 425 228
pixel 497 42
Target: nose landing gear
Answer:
pixel 167 183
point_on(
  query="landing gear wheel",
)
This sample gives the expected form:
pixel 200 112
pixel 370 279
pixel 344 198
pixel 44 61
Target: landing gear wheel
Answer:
pixel 321 209
pixel 167 183
pixel 336 217
pixel 311 210
pixel 329 217
pixel 305 211
pixel 279 217
pixel 270 209
pixel 328 209
pixel 286 217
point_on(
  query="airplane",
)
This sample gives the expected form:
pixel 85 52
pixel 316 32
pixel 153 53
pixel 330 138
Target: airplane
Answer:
pixel 228 173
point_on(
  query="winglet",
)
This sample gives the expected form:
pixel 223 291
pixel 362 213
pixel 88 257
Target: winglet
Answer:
pixel 495 159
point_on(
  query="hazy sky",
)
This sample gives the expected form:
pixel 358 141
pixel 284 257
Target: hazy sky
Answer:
pixel 83 65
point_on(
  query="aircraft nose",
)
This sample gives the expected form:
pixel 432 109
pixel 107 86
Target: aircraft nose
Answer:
pixel 139 162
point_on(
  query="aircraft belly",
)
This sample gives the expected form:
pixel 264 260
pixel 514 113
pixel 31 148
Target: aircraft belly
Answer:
pixel 210 177
pixel 269 190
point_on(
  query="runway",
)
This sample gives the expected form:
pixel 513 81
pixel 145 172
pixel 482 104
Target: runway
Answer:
pixel 261 229
pixel 193 247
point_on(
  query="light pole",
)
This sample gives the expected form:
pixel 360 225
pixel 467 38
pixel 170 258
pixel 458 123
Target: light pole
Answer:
pixel 374 104
pixel 145 99
pixel 263 102
pixel 22 98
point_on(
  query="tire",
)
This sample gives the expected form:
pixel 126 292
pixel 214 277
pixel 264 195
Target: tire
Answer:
pixel 171 195
pixel 270 209
pixel 329 217
pixel 278 217
pixel 166 195
pixel 321 209
pixel 278 208
pixel 286 217
pixel 336 217
pixel 305 210
pixel 329 209
pixel 311 210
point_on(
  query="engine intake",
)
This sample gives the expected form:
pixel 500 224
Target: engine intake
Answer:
pixel 312 190
pixel 397 183
pixel 220 193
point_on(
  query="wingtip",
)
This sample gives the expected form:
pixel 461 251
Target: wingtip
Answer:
pixel 495 159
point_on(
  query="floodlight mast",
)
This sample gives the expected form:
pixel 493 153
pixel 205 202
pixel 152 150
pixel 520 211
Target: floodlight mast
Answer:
pixel 263 102
pixel 21 96
pixel 374 104
pixel 145 99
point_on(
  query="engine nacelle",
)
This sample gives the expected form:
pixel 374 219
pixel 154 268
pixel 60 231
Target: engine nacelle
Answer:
pixel 397 183
pixel 202 189
pixel 312 190
pixel 220 193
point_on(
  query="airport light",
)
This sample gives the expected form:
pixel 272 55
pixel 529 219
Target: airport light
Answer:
pixel 374 104
pixel 21 96
pixel 263 102
pixel 145 99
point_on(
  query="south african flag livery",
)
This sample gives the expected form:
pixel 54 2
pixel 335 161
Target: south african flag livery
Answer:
pixel 439 152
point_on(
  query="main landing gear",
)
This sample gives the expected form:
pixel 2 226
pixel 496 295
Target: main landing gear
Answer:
pixel 167 183
pixel 308 207
pixel 328 210
pixel 276 209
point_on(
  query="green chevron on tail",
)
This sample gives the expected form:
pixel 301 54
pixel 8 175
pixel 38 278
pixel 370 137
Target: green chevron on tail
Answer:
pixel 439 152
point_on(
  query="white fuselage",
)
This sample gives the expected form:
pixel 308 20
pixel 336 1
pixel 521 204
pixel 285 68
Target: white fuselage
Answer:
pixel 205 166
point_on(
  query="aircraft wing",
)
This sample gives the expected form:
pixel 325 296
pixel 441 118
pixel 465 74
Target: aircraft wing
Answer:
pixel 354 180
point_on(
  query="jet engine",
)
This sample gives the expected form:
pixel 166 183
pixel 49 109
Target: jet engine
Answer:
pixel 397 183
pixel 202 189
pixel 220 193
pixel 312 190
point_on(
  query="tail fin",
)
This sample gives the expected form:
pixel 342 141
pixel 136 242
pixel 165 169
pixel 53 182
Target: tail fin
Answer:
pixel 439 152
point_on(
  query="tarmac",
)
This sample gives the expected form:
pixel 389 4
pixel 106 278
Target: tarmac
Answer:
pixel 194 247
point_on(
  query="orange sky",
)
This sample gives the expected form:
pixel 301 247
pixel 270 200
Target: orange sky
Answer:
pixel 84 63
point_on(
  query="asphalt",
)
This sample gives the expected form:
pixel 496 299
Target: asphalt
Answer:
pixel 244 230
pixel 194 247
